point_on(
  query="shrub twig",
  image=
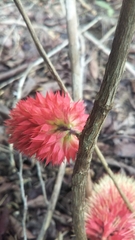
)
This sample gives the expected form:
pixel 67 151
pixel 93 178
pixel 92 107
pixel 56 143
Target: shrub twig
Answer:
pixel 53 201
pixel 24 199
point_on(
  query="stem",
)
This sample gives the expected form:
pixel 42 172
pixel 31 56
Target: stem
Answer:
pixel 102 106
pixel 73 36
pixel 52 202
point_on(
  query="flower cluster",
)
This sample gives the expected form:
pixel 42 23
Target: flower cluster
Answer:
pixel 47 126
pixel 107 216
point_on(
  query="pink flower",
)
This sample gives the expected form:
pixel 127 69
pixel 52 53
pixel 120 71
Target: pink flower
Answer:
pixel 107 216
pixel 46 127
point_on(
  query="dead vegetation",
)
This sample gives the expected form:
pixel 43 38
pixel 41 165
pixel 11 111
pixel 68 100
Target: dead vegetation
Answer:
pixel 23 73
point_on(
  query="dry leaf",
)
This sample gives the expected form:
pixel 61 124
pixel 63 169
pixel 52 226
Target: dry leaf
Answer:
pixel 18 229
pixel 94 69
pixel 4 219
pixel 37 202
pixel 124 149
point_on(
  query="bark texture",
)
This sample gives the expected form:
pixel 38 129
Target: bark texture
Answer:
pixel 103 104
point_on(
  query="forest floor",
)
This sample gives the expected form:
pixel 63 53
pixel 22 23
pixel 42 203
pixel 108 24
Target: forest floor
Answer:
pixel 117 137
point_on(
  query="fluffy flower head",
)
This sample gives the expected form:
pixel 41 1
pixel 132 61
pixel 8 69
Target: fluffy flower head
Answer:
pixel 107 217
pixel 46 127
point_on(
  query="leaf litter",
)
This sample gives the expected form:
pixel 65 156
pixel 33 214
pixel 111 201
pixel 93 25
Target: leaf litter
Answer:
pixel 117 138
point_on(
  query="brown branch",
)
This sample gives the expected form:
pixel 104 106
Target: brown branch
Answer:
pixel 13 72
pixel 102 106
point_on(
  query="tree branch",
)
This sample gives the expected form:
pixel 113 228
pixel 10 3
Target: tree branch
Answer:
pixel 102 106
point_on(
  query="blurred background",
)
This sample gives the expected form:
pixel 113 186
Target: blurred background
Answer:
pixel 23 73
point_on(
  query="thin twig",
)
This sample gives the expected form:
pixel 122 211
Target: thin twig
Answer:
pixel 11 152
pixel 73 36
pixel 6 149
pixel 53 201
pixel 112 176
pixel 106 50
pixel 42 182
pixel 108 34
pixel 24 199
